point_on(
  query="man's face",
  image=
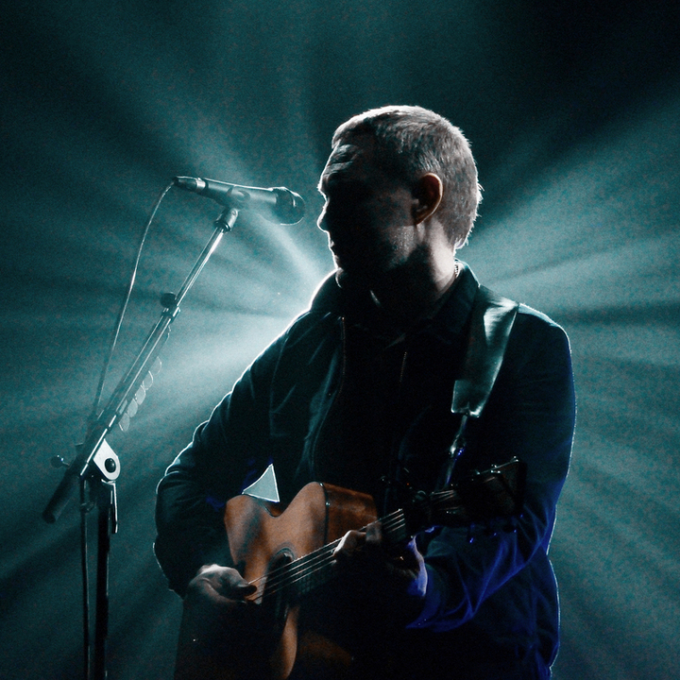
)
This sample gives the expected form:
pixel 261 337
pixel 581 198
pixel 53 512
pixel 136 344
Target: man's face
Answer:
pixel 367 215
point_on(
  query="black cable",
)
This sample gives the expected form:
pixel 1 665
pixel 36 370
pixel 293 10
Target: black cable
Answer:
pixel 94 414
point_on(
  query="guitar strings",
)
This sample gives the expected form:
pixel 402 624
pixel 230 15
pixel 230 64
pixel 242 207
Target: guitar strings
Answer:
pixel 305 567
pixel 308 565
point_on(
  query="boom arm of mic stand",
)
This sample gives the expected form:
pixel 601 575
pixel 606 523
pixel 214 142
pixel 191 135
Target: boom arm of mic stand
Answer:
pixel 95 457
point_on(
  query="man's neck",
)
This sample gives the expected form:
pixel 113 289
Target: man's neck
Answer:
pixel 413 298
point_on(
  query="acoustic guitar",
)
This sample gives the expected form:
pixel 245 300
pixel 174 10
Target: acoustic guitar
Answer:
pixel 288 554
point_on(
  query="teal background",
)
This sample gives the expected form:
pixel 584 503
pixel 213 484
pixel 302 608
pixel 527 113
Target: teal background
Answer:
pixel 572 109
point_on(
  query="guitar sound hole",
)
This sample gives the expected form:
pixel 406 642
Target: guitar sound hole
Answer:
pixel 279 591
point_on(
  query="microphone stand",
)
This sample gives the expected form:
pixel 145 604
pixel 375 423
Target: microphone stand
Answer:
pixel 96 466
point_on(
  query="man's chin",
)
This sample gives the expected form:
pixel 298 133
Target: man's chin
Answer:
pixel 350 280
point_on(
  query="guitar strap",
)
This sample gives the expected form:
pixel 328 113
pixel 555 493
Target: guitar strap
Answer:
pixel 492 320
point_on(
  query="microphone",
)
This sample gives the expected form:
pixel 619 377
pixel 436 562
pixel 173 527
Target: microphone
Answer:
pixel 278 205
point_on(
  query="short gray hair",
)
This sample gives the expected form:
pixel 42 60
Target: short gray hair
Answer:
pixel 412 141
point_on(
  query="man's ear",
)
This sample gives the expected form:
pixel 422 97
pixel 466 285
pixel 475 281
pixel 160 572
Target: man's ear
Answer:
pixel 427 193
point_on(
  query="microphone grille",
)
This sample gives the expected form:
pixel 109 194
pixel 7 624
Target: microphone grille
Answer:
pixel 290 207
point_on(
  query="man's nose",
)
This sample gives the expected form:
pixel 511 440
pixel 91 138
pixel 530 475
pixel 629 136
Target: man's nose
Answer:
pixel 336 219
pixel 322 221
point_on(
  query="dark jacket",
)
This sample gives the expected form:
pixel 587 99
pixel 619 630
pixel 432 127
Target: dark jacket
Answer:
pixel 491 601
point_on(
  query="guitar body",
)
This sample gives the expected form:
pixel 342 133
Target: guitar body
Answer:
pixel 279 632
pixel 262 540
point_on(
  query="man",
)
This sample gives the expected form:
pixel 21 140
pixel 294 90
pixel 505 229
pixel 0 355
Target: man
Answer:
pixel 357 393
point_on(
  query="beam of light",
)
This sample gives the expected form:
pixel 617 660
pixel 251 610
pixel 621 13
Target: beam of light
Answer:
pixel 83 218
pixel 618 192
